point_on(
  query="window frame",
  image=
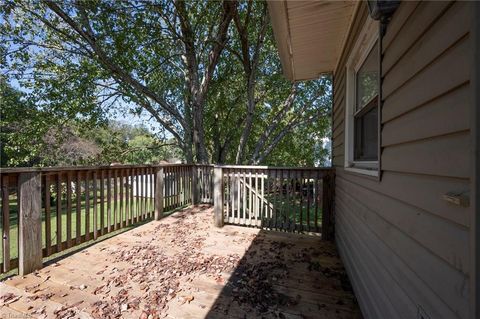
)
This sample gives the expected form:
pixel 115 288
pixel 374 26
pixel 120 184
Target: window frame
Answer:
pixel 372 104
pixel 366 41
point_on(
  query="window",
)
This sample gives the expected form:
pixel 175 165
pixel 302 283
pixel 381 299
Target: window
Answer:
pixel 366 109
pixel 362 117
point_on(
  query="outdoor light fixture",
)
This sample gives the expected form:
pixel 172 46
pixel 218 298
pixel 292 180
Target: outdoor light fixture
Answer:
pixel 382 9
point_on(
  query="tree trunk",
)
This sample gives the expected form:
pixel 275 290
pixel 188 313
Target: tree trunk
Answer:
pixel 248 120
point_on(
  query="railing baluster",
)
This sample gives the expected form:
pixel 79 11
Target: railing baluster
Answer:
pixel 283 210
pixel 69 209
pixel 170 188
pixel 244 196
pixel 109 200
pixel 226 173
pixel 95 211
pixel 127 197
pixel 308 203
pixel 278 206
pixel 288 205
pixel 121 208
pixel 132 201
pixel 59 212
pixel 78 223
pixel 177 184
pixel 145 194
pixel 295 198
pixel 48 225
pixel 202 185
pixel 87 206
pixel 187 185
pixel 151 198
pixel 250 198
pixel 261 202
pixel 147 210
pixel 177 188
pixel 317 197
pixel 235 195
pixel 115 199
pixel 137 193
pixel 102 202
pixel 166 187
pixel 184 185
pixel 300 200
pixel 255 199
pixel 140 193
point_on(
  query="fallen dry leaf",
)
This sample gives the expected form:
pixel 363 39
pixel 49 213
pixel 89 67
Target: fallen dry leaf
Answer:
pixel 9 298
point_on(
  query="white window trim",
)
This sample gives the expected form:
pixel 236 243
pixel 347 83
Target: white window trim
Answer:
pixel 360 51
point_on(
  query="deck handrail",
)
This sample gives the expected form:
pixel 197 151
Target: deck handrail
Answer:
pixel 84 168
pixel 97 200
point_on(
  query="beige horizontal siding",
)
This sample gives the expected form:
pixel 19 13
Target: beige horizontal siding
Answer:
pixel 402 13
pixel 425 15
pixel 448 29
pixel 443 156
pixel 448 72
pixel 403 245
pixel 417 272
pixel 426 229
pixel 422 123
pixel 421 191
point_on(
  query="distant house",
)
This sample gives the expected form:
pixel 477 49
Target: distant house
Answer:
pixel 405 145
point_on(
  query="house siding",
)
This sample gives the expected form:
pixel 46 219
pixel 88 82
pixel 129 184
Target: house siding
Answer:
pixel 406 249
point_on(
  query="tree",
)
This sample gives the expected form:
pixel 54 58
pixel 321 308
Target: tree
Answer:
pixel 207 72
pixel 152 54
pixel 21 128
pixel 34 137
pixel 264 107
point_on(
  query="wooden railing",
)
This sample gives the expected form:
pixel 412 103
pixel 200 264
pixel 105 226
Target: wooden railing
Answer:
pixel 204 175
pixel 49 210
pixel 288 199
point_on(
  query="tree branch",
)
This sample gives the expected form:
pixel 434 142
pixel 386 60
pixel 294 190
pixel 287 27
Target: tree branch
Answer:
pixel 107 63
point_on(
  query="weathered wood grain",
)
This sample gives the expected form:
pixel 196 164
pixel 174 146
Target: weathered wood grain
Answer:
pixel 5 224
pixel 30 223
pixel 159 184
pixel 218 196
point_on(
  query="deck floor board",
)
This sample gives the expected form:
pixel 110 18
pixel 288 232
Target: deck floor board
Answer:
pixel 183 267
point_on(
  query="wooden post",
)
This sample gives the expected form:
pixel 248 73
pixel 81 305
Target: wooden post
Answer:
pixel 218 196
pixel 30 227
pixel 5 223
pixel 159 193
pixel 195 186
pixel 328 224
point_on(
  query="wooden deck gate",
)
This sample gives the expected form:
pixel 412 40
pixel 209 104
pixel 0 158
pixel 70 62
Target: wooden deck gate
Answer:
pixel 288 199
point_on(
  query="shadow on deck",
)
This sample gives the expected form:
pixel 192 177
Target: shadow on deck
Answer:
pixel 183 267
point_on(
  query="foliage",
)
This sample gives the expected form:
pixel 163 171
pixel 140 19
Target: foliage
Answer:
pixel 207 72
pixel 22 128
pixel 33 137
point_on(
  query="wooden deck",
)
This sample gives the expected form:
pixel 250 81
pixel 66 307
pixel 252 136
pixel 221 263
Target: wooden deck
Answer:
pixel 183 267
